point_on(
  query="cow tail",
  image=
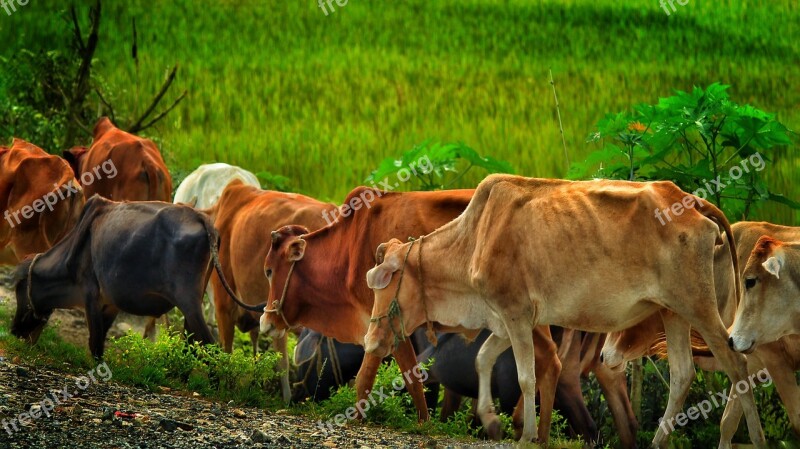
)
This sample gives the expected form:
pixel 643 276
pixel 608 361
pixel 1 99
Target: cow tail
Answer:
pixel 213 241
pixel 714 214
pixel 699 346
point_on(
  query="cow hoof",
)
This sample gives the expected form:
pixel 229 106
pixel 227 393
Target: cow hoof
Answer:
pixel 494 430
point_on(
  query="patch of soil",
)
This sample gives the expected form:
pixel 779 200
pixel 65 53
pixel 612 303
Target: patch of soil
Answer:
pixel 87 418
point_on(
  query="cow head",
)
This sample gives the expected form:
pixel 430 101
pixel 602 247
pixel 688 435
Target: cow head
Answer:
pixel 74 156
pixel 770 308
pixel 629 344
pixel 395 313
pixel 287 248
pixel 31 316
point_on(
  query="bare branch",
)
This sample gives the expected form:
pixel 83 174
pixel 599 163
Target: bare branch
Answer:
pixel 76 28
pixel 166 111
pixel 107 104
pixel 137 125
pixel 81 89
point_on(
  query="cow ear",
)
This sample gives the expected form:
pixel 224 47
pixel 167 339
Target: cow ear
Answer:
pixel 296 250
pixel 773 265
pixel 380 276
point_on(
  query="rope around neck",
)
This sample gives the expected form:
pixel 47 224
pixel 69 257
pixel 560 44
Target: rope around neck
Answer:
pixel 278 307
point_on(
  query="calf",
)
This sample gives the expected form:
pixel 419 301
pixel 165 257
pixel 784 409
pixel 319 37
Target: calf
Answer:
pixel 120 257
pixel 513 270
pixel 41 198
pixel 781 356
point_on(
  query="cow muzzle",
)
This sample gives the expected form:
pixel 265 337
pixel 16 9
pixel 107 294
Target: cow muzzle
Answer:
pixel 267 327
pixel 741 344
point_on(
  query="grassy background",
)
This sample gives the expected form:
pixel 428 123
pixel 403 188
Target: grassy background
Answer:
pixel 281 87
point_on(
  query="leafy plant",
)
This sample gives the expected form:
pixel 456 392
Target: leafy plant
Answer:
pixel 437 166
pixel 701 140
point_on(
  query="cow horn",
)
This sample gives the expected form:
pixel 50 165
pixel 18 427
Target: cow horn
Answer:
pixel 275 236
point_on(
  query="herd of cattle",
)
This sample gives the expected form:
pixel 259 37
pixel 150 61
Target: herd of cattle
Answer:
pixel 574 277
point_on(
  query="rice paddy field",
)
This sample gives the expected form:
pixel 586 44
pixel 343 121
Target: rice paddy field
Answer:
pixel 321 99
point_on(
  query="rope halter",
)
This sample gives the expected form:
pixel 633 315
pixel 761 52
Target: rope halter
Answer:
pixel 394 306
pixel 277 307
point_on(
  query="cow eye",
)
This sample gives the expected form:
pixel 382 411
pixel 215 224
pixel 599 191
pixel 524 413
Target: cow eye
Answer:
pixel 268 272
pixel 750 283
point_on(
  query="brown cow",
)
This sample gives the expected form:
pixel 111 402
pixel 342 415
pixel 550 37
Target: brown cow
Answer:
pixel 327 292
pixel 245 216
pixel 120 166
pixel 538 251
pixel 781 357
pixel 42 201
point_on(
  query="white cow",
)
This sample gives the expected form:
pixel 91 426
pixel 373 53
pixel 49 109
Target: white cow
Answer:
pixel 203 187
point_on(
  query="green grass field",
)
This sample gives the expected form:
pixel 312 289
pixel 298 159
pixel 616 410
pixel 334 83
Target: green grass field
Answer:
pixel 281 87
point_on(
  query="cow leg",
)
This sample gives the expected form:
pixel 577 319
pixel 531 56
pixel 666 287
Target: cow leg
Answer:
pixel 194 323
pixel 786 384
pixel 94 320
pixel 407 361
pixel 150 328
pixel 254 340
pixel 569 396
pixel 548 370
pixel 109 315
pixel 520 333
pixel 226 314
pixel 614 386
pixel 730 422
pixel 681 374
pixel 450 404
pixel 365 379
pixel 735 366
pixel 484 363
pixel 279 345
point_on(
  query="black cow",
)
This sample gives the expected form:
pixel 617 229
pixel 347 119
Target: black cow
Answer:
pixel 143 258
pixel 317 373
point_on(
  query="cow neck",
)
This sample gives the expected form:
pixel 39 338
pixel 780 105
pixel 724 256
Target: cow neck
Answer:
pixel 429 332
pixel 322 302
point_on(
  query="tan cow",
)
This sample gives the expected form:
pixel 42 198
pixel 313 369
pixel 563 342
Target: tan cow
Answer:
pixel 41 198
pixel 780 356
pixel 586 255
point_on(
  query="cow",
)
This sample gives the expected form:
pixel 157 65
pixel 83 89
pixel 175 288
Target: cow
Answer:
pixel 328 293
pixel 41 199
pixel 203 187
pixel 323 364
pixel 120 166
pixel 143 258
pixel 765 326
pixel 780 356
pixel 245 215
pixel 505 264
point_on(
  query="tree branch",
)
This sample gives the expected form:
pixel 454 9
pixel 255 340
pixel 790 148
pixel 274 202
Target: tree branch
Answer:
pixel 163 114
pixel 137 125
